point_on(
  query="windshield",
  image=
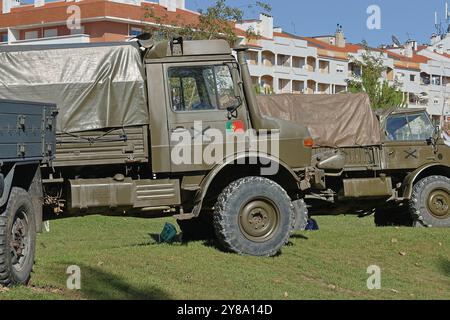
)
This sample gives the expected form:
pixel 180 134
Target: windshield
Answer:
pixel 411 127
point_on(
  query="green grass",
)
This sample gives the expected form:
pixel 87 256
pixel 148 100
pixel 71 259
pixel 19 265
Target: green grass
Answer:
pixel 120 260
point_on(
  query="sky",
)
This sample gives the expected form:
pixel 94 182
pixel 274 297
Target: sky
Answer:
pixel 403 18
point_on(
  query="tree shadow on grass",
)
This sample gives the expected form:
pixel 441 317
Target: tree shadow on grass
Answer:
pixel 100 285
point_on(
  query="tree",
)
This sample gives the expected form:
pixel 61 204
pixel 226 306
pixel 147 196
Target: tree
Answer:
pixel 215 22
pixel 382 94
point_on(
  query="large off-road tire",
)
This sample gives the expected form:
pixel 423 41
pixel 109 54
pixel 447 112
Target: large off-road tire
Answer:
pixel 430 202
pixel 253 216
pixel 17 239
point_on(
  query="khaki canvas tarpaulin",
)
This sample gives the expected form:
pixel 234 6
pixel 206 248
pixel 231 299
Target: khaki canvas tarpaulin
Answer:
pixel 340 120
pixel 95 86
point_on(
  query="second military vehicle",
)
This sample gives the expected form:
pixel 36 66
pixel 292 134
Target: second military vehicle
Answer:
pixel 394 163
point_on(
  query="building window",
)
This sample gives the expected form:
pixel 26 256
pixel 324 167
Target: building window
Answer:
pixel 436 80
pixel 436 101
pixel 77 31
pixel 31 35
pixel 48 33
pixel 4 37
pixel 135 31
pixel 412 78
pixel 340 68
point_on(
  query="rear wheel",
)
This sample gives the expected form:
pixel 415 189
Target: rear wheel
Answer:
pixel 253 216
pixel 430 202
pixel 17 239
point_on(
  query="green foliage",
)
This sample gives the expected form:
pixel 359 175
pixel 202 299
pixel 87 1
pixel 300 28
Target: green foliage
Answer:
pixel 258 89
pixel 382 94
pixel 215 22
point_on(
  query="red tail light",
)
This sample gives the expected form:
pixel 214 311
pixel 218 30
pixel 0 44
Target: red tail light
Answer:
pixel 308 142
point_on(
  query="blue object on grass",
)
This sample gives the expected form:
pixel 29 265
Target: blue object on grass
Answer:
pixel 168 234
pixel 312 225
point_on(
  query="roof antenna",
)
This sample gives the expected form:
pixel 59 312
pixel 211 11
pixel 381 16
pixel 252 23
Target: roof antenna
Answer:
pixel 446 12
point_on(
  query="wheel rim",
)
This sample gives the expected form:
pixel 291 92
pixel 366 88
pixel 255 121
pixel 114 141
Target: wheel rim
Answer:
pixel 259 219
pixel 20 239
pixel 439 203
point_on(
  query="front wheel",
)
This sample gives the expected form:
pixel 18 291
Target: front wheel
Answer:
pixel 17 239
pixel 430 202
pixel 253 216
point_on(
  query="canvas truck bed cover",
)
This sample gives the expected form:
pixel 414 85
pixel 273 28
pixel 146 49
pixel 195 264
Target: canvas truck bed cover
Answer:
pixel 94 86
pixel 340 120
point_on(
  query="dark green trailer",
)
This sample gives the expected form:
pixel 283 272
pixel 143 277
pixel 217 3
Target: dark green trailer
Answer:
pixel 27 140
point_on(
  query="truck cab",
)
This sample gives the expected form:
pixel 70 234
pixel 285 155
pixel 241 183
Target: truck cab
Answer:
pixel 205 92
pixel 410 140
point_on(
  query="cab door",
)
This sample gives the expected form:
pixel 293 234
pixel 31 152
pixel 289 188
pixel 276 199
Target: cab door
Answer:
pixel 203 105
pixel 408 142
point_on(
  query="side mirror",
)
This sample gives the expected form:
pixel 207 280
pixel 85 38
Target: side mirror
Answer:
pixel 232 110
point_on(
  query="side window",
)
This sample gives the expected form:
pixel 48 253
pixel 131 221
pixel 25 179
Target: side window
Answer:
pixel 201 88
pixel 413 127
pixel 225 88
pixel 421 126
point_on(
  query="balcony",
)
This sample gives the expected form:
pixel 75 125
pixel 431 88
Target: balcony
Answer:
pixel 267 85
pixel 284 61
pixel 324 67
pixel 324 88
pixel 284 86
pixel 310 87
pixel 252 58
pixel 298 62
pixel 298 87
pixel 268 59
pixel 311 64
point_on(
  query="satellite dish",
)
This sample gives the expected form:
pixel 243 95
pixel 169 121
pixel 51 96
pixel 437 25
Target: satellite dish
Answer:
pixel 396 41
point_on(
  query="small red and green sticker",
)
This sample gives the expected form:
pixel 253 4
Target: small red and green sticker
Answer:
pixel 235 126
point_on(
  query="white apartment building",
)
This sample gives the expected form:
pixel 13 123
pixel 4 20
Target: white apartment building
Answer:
pixel 284 63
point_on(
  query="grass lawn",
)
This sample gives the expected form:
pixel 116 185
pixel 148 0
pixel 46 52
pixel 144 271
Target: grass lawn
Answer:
pixel 120 260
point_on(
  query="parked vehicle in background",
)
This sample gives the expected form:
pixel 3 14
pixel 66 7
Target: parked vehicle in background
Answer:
pixel 27 140
pixel 394 164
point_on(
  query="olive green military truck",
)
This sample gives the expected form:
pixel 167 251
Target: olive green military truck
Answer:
pixel 134 129
pixel 394 163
